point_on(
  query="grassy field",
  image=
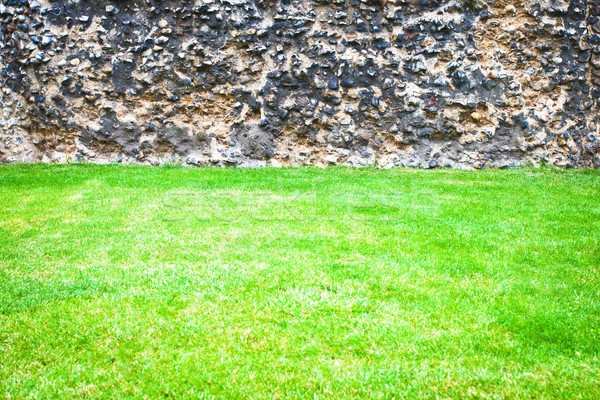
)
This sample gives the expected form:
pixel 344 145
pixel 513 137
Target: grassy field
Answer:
pixel 133 282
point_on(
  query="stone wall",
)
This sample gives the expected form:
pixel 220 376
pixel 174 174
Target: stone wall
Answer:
pixel 422 83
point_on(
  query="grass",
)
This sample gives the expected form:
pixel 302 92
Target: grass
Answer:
pixel 133 282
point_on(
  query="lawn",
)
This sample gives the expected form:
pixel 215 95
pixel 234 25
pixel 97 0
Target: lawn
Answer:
pixel 305 283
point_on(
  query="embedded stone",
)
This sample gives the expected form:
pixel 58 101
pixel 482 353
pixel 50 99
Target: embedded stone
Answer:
pixel 321 82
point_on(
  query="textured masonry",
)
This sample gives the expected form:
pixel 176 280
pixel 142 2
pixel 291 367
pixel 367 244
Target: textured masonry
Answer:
pixel 422 83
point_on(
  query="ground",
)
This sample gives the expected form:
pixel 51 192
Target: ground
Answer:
pixel 133 282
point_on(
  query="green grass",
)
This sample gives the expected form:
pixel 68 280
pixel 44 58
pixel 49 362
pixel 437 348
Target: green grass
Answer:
pixel 132 282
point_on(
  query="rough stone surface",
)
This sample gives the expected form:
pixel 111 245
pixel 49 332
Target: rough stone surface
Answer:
pixel 423 83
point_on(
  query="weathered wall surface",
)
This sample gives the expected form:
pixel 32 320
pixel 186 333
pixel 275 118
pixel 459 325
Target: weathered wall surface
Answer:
pixel 424 83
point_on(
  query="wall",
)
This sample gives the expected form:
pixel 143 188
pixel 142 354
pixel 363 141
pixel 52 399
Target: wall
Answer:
pixel 421 83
